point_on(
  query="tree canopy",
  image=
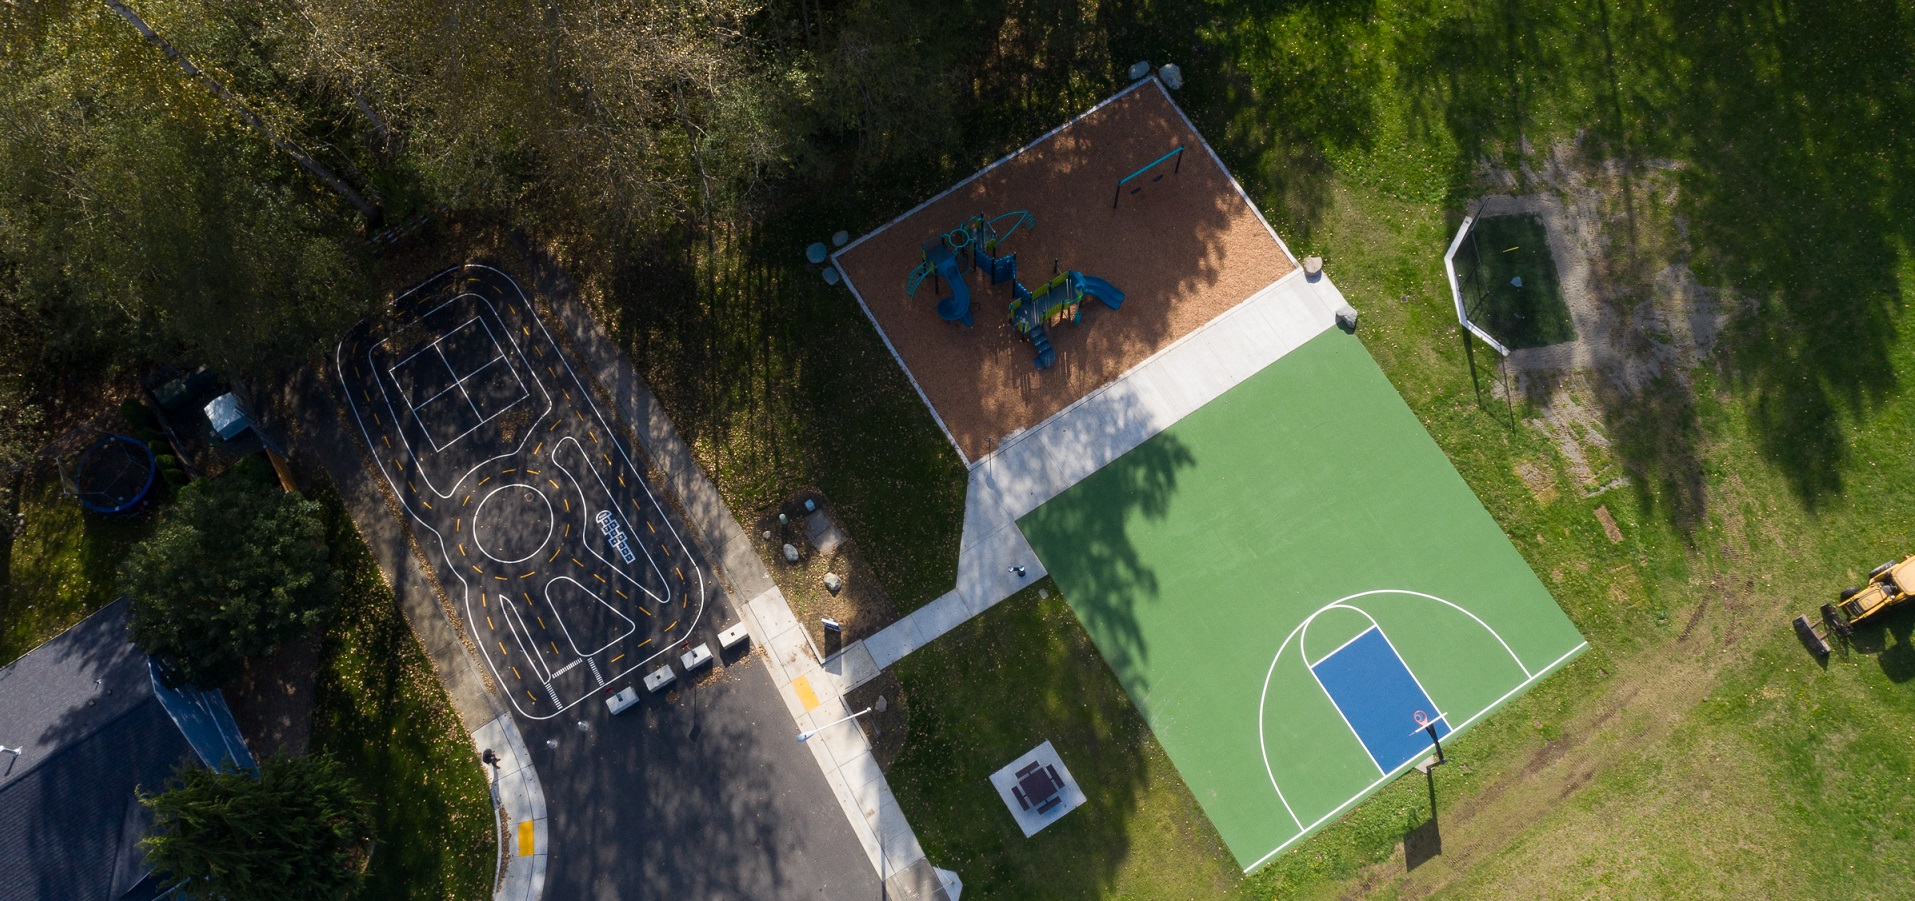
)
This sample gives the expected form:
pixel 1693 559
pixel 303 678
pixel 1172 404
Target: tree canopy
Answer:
pixel 237 567
pixel 300 830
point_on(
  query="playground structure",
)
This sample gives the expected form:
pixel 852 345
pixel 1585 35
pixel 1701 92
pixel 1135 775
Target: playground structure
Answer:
pixel 973 245
pixel 1059 300
pixel 976 245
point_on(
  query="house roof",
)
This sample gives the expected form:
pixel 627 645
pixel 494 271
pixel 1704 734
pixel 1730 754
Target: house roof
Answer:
pixel 82 709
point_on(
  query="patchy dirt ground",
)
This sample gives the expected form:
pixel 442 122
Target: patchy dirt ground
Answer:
pixel 1643 321
pixel 860 605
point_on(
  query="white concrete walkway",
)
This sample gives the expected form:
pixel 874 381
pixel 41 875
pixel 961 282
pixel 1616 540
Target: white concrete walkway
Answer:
pixel 515 788
pixel 1037 465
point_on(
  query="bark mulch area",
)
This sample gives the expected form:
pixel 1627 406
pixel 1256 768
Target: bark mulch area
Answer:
pixel 1183 249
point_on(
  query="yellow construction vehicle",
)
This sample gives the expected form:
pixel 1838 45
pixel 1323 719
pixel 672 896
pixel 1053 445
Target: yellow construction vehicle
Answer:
pixel 1888 585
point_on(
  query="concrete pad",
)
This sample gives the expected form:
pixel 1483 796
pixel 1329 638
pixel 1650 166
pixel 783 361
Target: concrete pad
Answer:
pixel 852 666
pixel 894 641
pixel 773 613
pixel 942 615
pixel 983 577
pixel 901 848
pixel 1029 820
pixel 861 771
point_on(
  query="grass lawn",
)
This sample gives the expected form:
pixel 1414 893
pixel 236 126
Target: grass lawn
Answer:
pixel 1768 151
pixel 1023 673
pixel 380 709
pixel 63 566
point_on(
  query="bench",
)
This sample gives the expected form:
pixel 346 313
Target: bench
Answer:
pixel 732 636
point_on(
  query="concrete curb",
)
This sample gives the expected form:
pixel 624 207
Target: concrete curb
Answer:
pixel 310 406
pixel 811 693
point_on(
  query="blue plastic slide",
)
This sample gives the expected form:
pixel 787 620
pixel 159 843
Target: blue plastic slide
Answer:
pixel 956 308
pixel 1102 290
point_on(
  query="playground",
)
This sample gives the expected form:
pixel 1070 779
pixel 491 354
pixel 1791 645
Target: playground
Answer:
pixel 568 572
pixel 1297 589
pixel 1132 235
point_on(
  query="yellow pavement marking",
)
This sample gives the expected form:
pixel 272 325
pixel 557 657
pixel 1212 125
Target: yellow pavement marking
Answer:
pixel 535 450
pixel 527 329
pixel 530 574
pixel 593 434
pixel 641 609
pixel 618 658
pixel 555 555
pixel 680 572
pixel 620 594
pixel 645 642
pixel 388 440
pixel 554 425
pixel 806 697
pixel 533 472
pixel 648 523
pixel 674 625
pixel 461 549
pixel 555 484
pixel 375 419
pixel 535 700
pixel 508 471
pixel 429 506
pixel 608 462
pixel 502 649
pixel 541 620
pixel 555 647
pixel 502 578
pixel 485 480
pixel 528 597
pixel 621 480
pixel 576 563
pixel 468 499
pixel 489 625
pixel 600 578
pixel 515 674
pixel 476 569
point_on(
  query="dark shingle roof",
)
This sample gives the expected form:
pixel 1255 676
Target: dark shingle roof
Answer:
pixel 83 711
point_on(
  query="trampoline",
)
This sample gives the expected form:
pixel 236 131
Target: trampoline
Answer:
pixel 114 475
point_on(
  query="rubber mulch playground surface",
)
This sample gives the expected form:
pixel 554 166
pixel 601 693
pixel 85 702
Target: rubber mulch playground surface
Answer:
pixel 1183 249
pixel 1285 579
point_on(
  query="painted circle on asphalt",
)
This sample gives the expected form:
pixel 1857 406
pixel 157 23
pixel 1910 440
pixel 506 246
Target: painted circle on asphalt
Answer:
pixel 513 523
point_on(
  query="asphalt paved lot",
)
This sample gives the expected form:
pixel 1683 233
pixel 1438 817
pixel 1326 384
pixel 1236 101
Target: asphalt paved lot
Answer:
pixel 508 473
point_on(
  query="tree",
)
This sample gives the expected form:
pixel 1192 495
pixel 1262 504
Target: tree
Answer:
pixel 301 829
pixel 237 567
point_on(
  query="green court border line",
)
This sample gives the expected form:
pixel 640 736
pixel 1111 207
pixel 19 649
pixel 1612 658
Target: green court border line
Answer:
pixel 1393 774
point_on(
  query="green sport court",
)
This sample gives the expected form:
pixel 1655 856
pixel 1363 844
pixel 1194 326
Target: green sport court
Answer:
pixel 1296 587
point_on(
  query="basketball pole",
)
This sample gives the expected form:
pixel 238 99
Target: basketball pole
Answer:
pixel 1431 729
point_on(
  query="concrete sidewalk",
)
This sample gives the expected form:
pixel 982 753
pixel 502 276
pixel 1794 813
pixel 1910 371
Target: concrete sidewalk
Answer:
pixel 812 693
pixel 308 409
pixel 1037 465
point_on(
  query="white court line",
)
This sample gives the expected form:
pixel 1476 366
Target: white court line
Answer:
pixel 550 515
pixel 625 522
pixel 1405 664
pixel 630 626
pixel 1263 700
pixel 1305 654
pixel 586 399
pixel 392 410
pixel 513 617
pixel 1306 830
pixel 1346 720
pixel 566 668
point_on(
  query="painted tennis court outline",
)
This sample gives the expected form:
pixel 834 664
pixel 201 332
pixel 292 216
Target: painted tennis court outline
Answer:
pixel 569 572
pixel 1299 635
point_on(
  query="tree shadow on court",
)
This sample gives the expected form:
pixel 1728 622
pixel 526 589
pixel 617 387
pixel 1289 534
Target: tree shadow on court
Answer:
pixel 1109 581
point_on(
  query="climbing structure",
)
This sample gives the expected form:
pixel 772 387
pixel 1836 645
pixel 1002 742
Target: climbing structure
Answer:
pixel 1057 301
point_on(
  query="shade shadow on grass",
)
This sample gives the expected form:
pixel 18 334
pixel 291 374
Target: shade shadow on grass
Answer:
pixel 1023 673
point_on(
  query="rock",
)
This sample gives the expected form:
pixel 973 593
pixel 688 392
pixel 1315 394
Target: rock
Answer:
pixel 791 554
pixel 1312 266
pixel 833 583
pixel 882 705
pixel 1346 318
pixel 767 534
